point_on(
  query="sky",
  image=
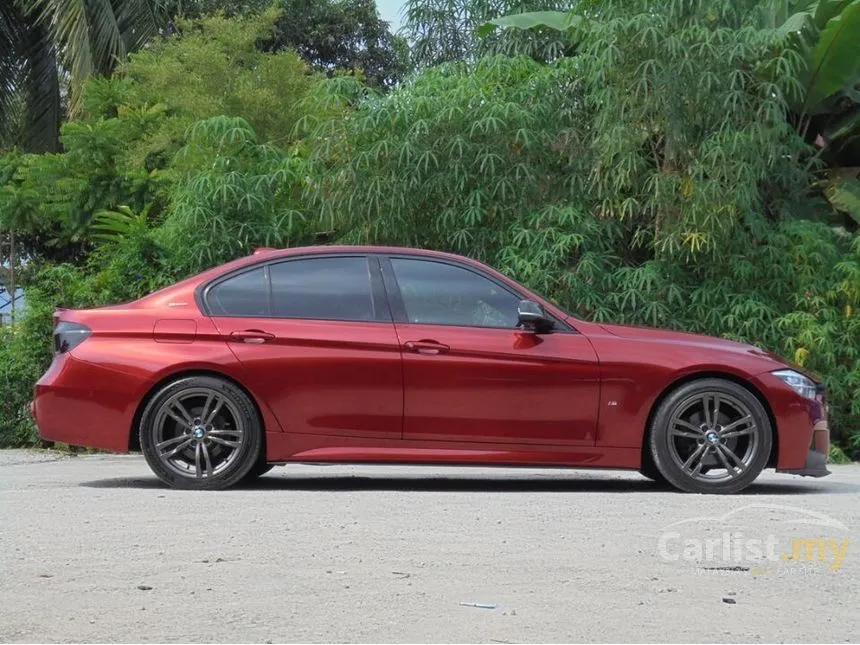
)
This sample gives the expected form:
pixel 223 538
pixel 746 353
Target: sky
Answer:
pixel 389 10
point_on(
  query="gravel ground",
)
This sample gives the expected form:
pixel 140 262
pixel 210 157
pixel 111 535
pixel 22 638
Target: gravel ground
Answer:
pixel 92 548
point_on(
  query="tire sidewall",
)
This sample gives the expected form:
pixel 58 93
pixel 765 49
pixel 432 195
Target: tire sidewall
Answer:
pixel 249 454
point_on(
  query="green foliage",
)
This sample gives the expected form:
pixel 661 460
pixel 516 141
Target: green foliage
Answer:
pixel 844 194
pixel 212 68
pixel 449 161
pixel 342 35
pixel 834 59
pixel 42 41
pixel 194 9
pixel 21 364
pixel 689 133
pixel 816 70
pixel 120 224
pixel 557 20
pixel 236 193
pixel 25 350
pixel 121 153
pixel 827 104
pixel 52 197
pixel 658 171
pixel 455 30
pixel 30 102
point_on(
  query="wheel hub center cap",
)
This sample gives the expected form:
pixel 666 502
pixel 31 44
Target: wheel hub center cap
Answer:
pixel 199 432
pixel 712 437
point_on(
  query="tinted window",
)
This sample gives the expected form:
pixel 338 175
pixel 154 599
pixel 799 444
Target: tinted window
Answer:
pixel 443 294
pixel 323 288
pixel 243 295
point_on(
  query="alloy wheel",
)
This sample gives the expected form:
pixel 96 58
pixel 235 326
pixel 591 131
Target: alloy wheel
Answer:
pixel 198 433
pixel 713 437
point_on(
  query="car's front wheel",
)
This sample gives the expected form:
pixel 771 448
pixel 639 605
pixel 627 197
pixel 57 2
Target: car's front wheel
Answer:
pixel 710 436
pixel 259 469
pixel 201 432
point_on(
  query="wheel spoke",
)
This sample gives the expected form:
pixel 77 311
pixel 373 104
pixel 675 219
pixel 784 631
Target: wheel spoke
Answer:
pixel 211 408
pixel 706 409
pixel 230 432
pixel 724 450
pixel 699 453
pixel 225 442
pixel 205 411
pixel 207 459
pixel 732 470
pixel 169 442
pixel 684 433
pixel 691 432
pixel 198 464
pixel 167 454
pixel 744 425
pixel 178 413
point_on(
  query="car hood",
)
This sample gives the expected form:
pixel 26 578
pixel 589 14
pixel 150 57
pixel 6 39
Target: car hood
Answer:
pixel 680 338
pixel 692 340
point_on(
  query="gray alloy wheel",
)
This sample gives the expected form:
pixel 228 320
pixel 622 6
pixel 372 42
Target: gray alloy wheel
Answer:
pixel 201 432
pixel 710 436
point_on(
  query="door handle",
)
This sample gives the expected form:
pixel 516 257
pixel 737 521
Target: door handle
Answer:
pixel 252 336
pixel 426 346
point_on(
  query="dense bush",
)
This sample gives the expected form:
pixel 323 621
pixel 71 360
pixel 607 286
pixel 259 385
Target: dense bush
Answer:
pixel 655 177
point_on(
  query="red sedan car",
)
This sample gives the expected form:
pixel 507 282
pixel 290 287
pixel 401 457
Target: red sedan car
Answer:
pixel 370 354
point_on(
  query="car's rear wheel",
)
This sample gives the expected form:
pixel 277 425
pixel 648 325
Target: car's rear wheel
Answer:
pixel 650 471
pixel 710 436
pixel 201 432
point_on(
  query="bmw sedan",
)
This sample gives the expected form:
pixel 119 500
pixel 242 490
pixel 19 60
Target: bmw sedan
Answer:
pixel 396 355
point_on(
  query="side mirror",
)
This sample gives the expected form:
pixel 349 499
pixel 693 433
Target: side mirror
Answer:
pixel 532 317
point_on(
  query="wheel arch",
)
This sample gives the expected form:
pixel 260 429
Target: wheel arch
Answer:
pixel 134 435
pixel 695 376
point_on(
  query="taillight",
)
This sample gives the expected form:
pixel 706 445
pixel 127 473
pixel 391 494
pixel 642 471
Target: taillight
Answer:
pixel 68 335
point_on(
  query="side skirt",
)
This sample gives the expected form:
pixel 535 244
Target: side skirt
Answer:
pixel 282 447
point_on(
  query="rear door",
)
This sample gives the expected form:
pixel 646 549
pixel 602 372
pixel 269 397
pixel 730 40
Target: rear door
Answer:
pixel 316 338
pixel 471 375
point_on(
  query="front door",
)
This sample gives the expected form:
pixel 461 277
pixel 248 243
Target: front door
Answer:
pixel 471 375
pixel 315 337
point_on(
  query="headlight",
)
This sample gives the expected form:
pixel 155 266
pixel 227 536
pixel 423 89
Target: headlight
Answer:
pixel 798 382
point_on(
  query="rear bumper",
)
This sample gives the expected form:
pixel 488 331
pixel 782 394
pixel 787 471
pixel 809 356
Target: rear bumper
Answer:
pixel 80 404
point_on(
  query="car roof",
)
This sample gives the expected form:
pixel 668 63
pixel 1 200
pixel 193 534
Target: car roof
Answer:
pixel 348 248
pixel 264 254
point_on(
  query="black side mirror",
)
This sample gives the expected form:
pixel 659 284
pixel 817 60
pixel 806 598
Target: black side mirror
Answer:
pixel 532 317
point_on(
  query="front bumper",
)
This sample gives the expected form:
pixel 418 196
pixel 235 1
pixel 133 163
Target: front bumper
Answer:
pixel 803 430
pixel 819 450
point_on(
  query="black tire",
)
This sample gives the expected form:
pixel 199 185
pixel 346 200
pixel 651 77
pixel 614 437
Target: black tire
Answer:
pixel 188 451
pixel 649 471
pixel 259 469
pixel 696 450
